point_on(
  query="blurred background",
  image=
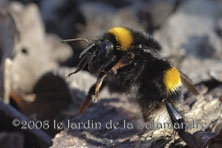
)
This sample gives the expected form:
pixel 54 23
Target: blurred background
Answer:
pixel 34 82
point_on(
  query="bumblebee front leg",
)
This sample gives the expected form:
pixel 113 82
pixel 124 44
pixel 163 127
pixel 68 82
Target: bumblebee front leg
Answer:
pixel 96 88
pixel 123 62
pixel 126 60
pixel 82 64
pixel 87 101
pixel 92 94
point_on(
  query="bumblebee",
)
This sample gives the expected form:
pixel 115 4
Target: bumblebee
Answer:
pixel 133 60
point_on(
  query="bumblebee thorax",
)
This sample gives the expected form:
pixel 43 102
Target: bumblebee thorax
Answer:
pixel 123 36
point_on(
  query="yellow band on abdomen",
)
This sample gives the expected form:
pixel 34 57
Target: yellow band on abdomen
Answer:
pixel 172 79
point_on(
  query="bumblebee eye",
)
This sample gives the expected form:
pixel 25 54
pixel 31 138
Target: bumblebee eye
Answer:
pixel 105 49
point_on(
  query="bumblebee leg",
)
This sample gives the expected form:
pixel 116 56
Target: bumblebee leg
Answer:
pixel 177 119
pixel 95 89
pixel 81 65
pixel 98 86
pixel 108 63
pixel 123 62
pixel 85 104
pixel 92 94
pixel 126 60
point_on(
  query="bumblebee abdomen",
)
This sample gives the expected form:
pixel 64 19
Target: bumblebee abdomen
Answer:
pixel 159 81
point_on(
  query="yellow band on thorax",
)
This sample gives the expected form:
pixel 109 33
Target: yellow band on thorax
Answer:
pixel 123 37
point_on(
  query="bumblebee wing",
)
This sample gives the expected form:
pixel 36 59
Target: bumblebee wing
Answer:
pixel 188 83
pixel 154 54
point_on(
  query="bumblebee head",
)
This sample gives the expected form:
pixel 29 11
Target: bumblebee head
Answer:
pixel 101 54
pixel 104 49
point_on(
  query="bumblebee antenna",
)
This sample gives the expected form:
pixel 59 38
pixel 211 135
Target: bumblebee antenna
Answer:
pixel 75 39
pixel 86 50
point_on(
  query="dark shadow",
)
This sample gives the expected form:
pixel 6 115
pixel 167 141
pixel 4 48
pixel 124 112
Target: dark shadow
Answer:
pixel 100 116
